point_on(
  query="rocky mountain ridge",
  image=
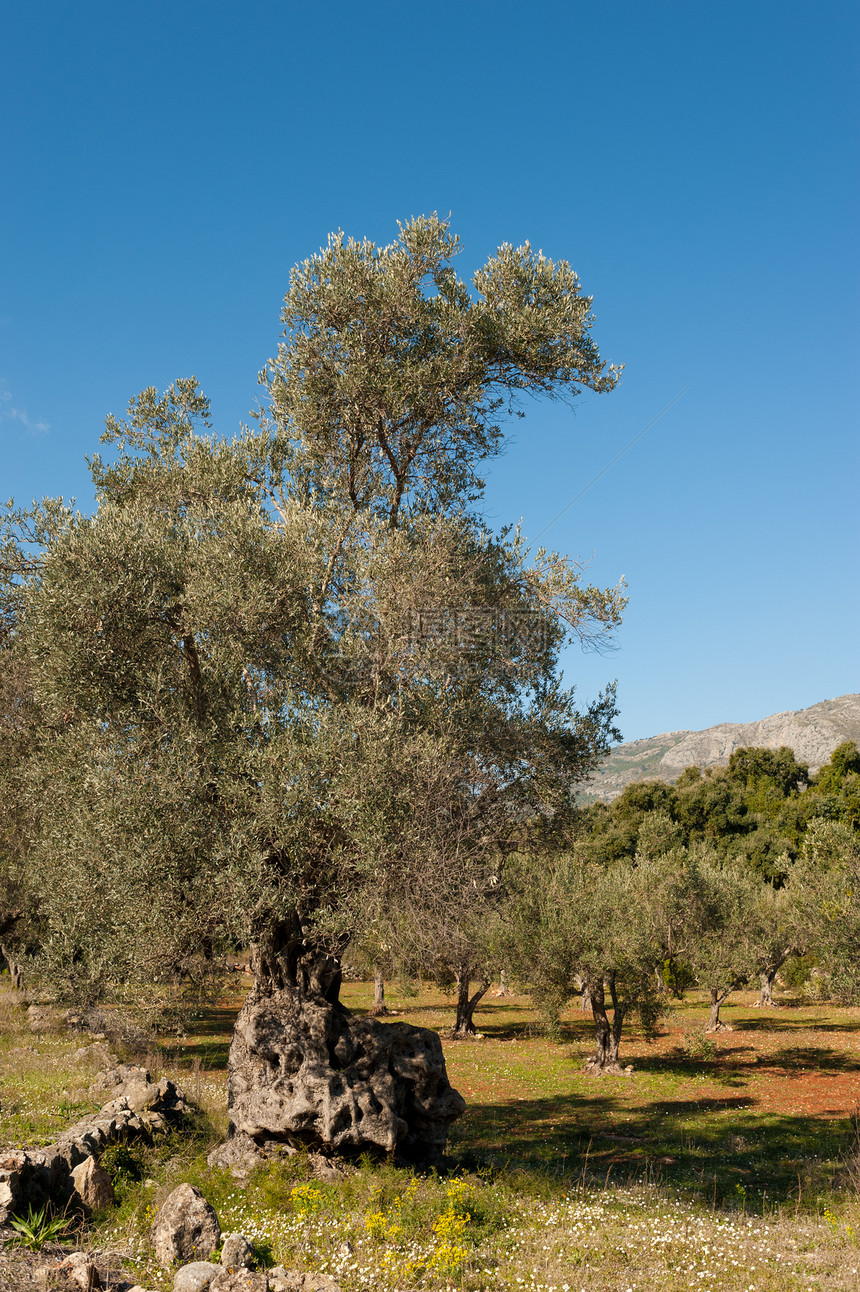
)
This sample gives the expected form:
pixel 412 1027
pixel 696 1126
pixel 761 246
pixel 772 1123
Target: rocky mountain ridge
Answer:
pixel 812 733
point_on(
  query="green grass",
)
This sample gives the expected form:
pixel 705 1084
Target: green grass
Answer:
pixel 43 1089
pixel 710 1167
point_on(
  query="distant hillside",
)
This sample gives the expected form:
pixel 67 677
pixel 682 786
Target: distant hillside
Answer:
pixel 812 733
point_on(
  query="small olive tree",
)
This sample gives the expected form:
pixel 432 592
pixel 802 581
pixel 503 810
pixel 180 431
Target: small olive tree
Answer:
pixel 721 951
pixel 574 925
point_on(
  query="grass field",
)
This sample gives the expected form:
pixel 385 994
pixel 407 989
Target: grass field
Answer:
pixel 718 1163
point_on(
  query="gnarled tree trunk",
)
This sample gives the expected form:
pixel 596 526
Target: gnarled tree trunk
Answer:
pixel 303 1071
pixel 16 973
pixel 464 1026
pixel 767 978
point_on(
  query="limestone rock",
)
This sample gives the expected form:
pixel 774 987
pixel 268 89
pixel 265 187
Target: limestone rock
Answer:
pixel 240 1280
pixel 237 1252
pixel 282 1280
pixel 132 1084
pixel 196 1277
pixel 240 1154
pixel 92 1185
pixel 12 1165
pixel 305 1071
pixel 812 733
pixel 186 1228
pixel 76 1273
pixel 96 1055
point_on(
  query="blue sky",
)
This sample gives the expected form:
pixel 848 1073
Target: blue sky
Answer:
pixel 165 164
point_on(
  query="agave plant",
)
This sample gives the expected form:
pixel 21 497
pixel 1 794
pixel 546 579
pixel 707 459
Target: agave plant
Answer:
pixel 38 1228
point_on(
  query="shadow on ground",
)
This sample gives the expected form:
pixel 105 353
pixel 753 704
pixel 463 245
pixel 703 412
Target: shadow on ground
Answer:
pixel 721 1149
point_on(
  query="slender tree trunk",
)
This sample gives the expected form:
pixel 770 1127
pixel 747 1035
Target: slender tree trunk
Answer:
pixel 16 975
pixel 503 988
pixel 379 1006
pixel 715 1024
pixel 464 1026
pixel 608 1035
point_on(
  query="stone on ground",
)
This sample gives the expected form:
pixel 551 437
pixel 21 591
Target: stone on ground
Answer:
pixel 283 1280
pixel 237 1252
pixel 75 1273
pixel 92 1185
pixel 240 1280
pixel 185 1229
pixel 196 1277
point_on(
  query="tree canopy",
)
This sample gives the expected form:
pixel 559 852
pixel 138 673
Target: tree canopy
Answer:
pixel 282 683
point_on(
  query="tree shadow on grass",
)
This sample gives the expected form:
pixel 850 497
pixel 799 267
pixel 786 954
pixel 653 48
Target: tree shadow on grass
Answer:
pixel 784 1022
pixel 730 1063
pixel 724 1151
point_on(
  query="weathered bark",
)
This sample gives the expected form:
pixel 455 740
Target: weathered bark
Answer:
pixel 605 1059
pixel 766 993
pixel 379 1006
pixel 464 1026
pixel 303 1071
pixel 503 989
pixel 714 1022
pixel 768 976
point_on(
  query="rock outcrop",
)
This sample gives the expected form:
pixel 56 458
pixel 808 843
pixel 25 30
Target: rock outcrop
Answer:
pixel 32 1177
pixel 812 733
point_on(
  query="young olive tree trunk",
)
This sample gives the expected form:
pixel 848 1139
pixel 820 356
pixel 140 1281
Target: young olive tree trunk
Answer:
pixel 379 1006
pixel 608 1035
pixel 16 975
pixel 503 989
pixel 715 1024
pixel 464 1026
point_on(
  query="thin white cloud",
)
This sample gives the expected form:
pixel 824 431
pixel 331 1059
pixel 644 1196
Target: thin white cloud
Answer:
pixel 11 412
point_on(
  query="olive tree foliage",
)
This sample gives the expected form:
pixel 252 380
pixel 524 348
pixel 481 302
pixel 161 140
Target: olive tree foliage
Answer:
pixel 575 923
pixel 826 884
pixel 290 682
pixel 725 903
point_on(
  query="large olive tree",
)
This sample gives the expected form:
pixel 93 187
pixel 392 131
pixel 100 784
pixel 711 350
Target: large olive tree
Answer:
pixel 293 683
